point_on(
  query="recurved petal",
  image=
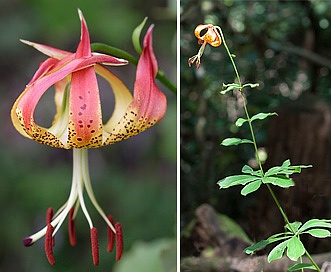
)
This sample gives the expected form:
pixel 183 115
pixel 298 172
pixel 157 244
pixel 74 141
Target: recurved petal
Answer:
pixel 44 67
pixel 85 119
pixel 84 47
pixel 210 35
pixel 24 107
pixel 122 96
pixel 149 103
pixel 61 54
pixel 148 99
pixel 48 50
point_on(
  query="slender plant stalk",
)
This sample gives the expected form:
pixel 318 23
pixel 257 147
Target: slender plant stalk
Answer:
pixel 240 87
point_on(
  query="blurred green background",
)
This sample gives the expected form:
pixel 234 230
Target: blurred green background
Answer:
pixel 135 180
pixel 285 47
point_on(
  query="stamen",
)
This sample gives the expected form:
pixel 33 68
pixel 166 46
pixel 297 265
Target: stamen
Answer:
pixel 89 190
pixel 79 164
pixel 49 244
pixel 119 241
pixel 111 235
pixel 49 217
pixel 72 227
pixel 95 246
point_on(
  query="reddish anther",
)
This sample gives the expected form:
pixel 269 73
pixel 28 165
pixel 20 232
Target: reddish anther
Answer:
pixel 49 217
pixel 49 244
pixel 111 235
pixel 72 227
pixel 95 246
pixel 119 241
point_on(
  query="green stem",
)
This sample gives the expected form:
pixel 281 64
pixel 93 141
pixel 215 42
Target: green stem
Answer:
pixel 252 133
pixel 312 261
pixel 244 100
pixel 256 148
pixel 280 207
pixel 100 47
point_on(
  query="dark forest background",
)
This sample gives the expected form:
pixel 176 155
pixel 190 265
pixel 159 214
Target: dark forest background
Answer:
pixel 285 47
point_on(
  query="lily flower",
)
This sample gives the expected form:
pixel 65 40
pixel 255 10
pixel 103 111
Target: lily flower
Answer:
pixel 212 35
pixel 78 123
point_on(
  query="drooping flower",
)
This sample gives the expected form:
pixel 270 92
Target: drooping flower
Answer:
pixel 78 122
pixel 212 36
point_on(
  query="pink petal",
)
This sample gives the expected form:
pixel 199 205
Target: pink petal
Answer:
pixel 48 50
pixel 23 109
pixel 43 69
pixel 85 120
pixel 149 103
pixel 84 47
pixel 148 99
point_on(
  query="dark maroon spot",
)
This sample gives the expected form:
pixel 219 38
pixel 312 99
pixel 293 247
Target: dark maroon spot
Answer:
pixel 83 107
pixel 79 139
pixel 92 131
pixel 80 97
pixel 80 113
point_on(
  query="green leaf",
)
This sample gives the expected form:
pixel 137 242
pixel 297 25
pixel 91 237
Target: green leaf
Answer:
pixel 286 169
pixel 229 87
pixel 136 36
pixel 235 141
pixel 236 180
pixel 300 266
pixel 252 85
pixel 295 248
pixel 280 181
pixel 248 170
pixel 319 233
pixel 277 252
pixel 259 245
pixel 295 226
pixel 251 187
pixel 313 223
pixel 286 164
pixel 240 122
pixel 297 168
pixel 261 115
pixel 278 169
